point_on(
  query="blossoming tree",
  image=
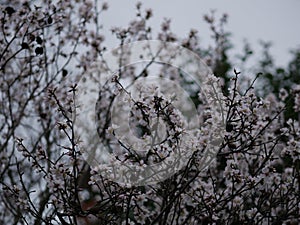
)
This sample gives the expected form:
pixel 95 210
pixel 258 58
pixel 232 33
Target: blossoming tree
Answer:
pixel 48 49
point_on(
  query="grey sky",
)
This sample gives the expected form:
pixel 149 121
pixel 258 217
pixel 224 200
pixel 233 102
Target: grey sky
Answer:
pixel 274 20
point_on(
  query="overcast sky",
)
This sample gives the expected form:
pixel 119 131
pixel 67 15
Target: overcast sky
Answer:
pixel 268 20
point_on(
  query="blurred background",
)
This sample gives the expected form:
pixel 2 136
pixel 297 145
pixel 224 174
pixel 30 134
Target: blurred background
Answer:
pixel 276 21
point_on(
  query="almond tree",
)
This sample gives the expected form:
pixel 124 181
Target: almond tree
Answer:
pixel 46 51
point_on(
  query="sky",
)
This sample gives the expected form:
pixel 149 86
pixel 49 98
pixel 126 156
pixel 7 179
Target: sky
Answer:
pixel 269 20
